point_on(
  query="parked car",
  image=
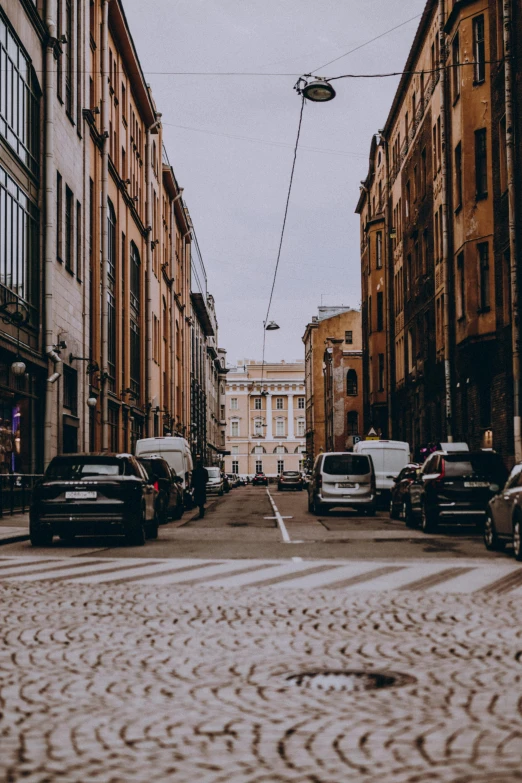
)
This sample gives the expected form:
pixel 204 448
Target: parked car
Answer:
pixel 401 484
pixel 342 479
pixel 457 487
pixel 242 481
pixel 176 451
pixel 260 480
pixel 290 479
pixel 215 481
pixel 227 486
pixel 90 494
pixel 389 457
pixel 169 502
pixel 503 524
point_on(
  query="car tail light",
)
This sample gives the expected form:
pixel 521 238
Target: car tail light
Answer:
pixel 156 486
pixel 438 481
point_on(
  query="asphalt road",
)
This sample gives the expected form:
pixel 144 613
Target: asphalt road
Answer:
pixel 242 525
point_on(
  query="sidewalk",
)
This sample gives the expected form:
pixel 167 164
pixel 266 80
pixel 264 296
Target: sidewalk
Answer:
pixel 14 528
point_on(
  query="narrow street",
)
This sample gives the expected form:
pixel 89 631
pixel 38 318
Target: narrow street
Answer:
pixel 186 659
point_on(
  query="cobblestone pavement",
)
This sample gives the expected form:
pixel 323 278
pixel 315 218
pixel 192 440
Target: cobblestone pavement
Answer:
pixel 142 683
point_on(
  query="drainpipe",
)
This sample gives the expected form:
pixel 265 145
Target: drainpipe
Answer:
pixel 104 54
pixel 513 257
pixel 446 260
pixel 148 272
pixel 50 228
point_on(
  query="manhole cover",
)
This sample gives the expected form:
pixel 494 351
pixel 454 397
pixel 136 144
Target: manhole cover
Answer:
pixel 351 680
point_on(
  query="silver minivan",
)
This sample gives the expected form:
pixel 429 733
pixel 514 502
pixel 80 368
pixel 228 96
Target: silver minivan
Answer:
pixel 342 479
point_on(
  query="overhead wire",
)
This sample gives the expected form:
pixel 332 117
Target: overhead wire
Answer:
pixel 265 324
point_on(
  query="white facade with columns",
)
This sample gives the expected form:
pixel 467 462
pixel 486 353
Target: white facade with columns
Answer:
pixel 265 418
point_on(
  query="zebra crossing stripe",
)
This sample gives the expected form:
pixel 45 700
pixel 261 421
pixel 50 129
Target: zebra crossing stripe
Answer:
pixel 506 584
pixel 435 579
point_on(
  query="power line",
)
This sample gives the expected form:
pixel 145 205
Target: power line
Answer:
pixel 265 141
pixel 282 234
pixel 366 43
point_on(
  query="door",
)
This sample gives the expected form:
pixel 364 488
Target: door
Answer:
pixel 502 503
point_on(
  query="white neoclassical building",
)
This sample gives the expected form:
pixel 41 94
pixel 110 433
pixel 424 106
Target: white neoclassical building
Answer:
pixel 265 417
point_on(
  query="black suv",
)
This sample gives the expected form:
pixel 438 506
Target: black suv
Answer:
pixel 457 487
pixel 169 502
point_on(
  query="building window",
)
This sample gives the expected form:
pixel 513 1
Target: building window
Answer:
pixel 380 311
pixel 280 465
pixel 68 229
pixel 78 241
pixel 259 450
pixel 479 49
pixel 18 240
pixel 234 429
pixel 370 314
pixel 70 389
pixel 481 171
pixel 458 176
pixel 280 428
pixel 301 403
pixel 461 286
pixel 483 255
pixel 19 99
pixel 135 339
pixel 378 250
pixel 423 173
pixel 235 466
pixel 68 53
pixel 279 403
pixel 300 428
pixel 258 427
pixel 280 450
pixel 59 217
pixel 257 403
pixel 351 383
pixel 502 154
pixel 411 358
pixel 259 466
pixel 381 372
pixel 113 428
pixel 235 450
pixel 352 423
pixel 233 404
pixel 111 297
pixel 455 48
pixel 506 287
pixel 348 339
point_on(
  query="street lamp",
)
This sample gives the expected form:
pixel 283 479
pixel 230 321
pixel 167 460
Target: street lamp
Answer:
pixel 271 326
pixel 319 90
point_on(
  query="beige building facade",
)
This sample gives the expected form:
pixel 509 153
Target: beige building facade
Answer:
pixel 265 418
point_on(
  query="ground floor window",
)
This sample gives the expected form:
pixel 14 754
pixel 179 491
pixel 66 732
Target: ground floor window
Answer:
pixel 280 465
pixel 113 428
pixel 235 466
pixel 259 466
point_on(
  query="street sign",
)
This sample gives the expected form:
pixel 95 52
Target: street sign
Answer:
pixel 356 439
pixel 372 435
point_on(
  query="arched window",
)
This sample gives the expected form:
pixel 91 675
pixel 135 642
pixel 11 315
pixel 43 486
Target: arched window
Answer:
pixel 352 423
pixel 351 383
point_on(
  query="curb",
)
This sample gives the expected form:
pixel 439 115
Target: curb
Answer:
pixel 14 539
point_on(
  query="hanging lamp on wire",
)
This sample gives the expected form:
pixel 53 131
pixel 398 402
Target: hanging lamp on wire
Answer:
pixel 316 89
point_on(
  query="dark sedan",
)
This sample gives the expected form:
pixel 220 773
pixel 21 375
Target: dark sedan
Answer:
pixel 90 494
pixel 260 480
pixel 399 491
pixel 169 502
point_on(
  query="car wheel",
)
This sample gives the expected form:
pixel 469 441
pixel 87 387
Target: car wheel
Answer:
pixel 310 504
pixel 428 523
pixel 220 493
pixel 152 530
pixel 40 536
pixel 178 511
pixel 491 540
pixel 135 534
pixel 517 539
pixel 407 515
pixel 393 511
pixel 320 509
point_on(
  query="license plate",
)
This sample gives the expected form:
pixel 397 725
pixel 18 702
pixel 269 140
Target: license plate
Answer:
pixel 81 495
pixel 476 484
pixel 347 485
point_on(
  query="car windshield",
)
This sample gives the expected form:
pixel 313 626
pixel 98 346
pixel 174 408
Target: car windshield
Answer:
pixel 291 473
pixel 213 472
pixel 482 463
pixel 77 468
pixel 156 467
pixel 346 464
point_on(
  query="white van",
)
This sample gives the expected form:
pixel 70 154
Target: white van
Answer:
pixel 176 451
pixel 389 457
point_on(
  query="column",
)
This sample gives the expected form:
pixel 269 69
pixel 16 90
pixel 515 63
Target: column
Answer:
pixel 268 399
pixel 291 417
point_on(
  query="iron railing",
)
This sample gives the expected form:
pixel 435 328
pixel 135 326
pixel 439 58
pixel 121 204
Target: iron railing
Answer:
pixel 15 491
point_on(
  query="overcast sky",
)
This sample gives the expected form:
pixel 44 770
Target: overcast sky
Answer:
pixel 230 140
